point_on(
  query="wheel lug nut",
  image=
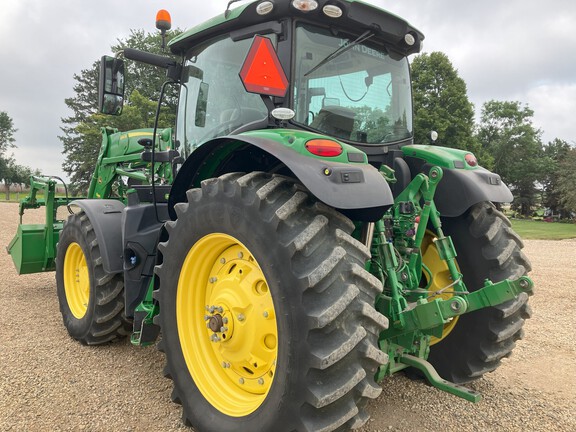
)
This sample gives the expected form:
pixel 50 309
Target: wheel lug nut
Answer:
pixel 265 314
pixel 223 329
pixel 261 381
pixel 222 260
pixel 215 338
pixel 207 317
pixel 241 317
pixel 241 380
pixel 220 309
pixel 225 320
pixel 212 309
pixel 240 255
pixel 213 279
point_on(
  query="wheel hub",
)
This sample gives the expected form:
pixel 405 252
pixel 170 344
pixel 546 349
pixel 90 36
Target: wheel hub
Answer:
pixel 216 323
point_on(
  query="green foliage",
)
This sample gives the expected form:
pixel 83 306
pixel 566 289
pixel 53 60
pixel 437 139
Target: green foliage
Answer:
pixel 7 132
pixel 10 172
pixel 567 180
pixel 555 152
pixel 441 104
pixel 81 131
pixel 507 133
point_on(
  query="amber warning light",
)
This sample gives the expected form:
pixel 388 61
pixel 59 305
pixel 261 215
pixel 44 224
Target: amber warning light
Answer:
pixel 163 23
pixel 163 20
pixel 262 72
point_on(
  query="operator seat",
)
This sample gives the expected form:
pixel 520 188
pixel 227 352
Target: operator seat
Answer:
pixel 335 120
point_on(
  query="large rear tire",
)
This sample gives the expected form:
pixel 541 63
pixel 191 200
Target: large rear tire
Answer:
pixel 487 247
pixel 91 301
pixel 266 310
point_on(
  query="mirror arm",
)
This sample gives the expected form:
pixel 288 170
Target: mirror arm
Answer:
pixel 174 69
pixel 148 58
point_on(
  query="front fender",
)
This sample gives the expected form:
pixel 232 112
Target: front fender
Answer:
pixel 105 216
pixel 355 188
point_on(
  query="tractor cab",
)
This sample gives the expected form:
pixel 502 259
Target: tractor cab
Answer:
pixel 342 72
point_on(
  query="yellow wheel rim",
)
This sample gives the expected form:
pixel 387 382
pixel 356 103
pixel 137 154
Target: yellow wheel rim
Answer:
pixel 227 324
pixel 76 280
pixel 440 276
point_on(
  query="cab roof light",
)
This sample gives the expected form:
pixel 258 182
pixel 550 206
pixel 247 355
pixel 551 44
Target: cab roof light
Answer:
pixel 264 8
pixel 324 147
pixel 305 5
pixel 262 72
pixel 332 11
pixel 409 39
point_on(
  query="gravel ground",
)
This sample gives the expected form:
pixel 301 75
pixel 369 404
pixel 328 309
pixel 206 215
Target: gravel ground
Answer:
pixel 50 382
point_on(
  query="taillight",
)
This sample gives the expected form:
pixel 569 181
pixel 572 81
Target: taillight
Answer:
pixel 324 147
pixel 471 160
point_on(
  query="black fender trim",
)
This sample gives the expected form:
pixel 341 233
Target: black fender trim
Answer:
pixel 460 189
pixel 105 215
pixel 358 190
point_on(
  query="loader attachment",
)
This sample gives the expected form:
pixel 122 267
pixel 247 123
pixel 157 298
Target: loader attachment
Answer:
pixel 33 248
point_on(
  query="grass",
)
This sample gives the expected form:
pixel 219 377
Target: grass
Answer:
pixel 539 230
pixel 17 196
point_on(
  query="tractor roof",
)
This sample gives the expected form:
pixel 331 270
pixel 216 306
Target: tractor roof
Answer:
pixel 357 15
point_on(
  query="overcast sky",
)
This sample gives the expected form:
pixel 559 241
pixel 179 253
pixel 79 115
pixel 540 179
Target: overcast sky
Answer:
pixel 523 50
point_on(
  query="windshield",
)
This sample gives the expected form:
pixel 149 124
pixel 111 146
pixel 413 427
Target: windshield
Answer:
pixel 360 94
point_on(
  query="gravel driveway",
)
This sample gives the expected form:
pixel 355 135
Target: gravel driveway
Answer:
pixel 48 382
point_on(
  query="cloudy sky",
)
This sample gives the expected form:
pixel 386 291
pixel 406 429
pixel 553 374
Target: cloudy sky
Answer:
pixel 522 50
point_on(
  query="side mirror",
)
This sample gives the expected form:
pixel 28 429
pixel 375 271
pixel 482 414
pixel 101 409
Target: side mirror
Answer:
pixel 111 86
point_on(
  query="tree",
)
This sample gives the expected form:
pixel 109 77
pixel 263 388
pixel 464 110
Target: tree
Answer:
pixel 12 173
pixel 441 104
pixel 507 133
pixel 7 132
pixel 81 142
pixel 555 152
pixel 82 138
pixel 567 180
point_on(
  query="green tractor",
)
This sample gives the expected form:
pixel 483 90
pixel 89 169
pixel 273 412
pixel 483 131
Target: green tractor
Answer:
pixel 286 244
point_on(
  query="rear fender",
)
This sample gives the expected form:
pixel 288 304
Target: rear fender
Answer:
pixel 462 185
pixel 355 188
pixel 105 216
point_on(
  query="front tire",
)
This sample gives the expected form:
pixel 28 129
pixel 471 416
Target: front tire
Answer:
pixel 487 247
pixel 279 272
pixel 91 301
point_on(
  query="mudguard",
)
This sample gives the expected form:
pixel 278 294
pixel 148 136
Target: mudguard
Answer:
pixel 357 189
pixel 462 185
pixel 460 189
pixel 105 216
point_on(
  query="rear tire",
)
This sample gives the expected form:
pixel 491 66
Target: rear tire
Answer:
pixel 326 328
pixel 487 247
pixel 91 301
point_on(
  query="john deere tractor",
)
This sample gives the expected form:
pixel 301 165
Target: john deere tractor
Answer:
pixel 286 244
